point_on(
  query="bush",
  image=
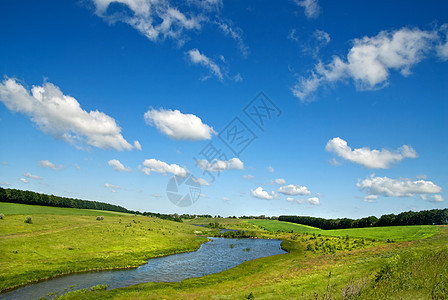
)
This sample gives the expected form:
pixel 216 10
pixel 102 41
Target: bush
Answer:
pixel 28 220
pixel 99 218
pixel 2 216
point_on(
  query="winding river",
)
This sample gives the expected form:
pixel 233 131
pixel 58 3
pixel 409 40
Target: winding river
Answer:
pixel 212 257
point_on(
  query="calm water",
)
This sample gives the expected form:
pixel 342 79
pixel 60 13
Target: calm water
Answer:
pixel 218 255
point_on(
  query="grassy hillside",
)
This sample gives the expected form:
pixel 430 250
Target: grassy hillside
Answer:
pixel 394 233
pixel 65 240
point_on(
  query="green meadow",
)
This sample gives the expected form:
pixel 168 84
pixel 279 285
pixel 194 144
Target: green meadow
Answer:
pixel 405 262
pixel 66 240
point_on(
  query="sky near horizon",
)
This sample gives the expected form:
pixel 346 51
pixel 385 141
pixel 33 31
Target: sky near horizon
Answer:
pixel 320 108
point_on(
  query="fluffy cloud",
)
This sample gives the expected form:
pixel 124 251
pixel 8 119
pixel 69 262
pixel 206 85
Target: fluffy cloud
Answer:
pixel 118 166
pixel 200 181
pixel 370 60
pixel 111 186
pixel 313 200
pixel 261 194
pixel 62 116
pixel 29 175
pixel 378 159
pixel 179 126
pixel 218 165
pixel 154 165
pixel 370 198
pixel 388 187
pixel 49 165
pixel 432 198
pixel 293 190
pixel 312 8
pixel 198 58
pixel 278 181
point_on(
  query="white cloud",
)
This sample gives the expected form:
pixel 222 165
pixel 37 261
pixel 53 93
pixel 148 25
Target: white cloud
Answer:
pixel 293 190
pixel 312 8
pixel 313 200
pixel 77 167
pixel 236 34
pixel 442 48
pixel 198 58
pixel 378 159
pixel 157 195
pixel 111 186
pixel 370 198
pixel 388 187
pixel 299 201
pixel 157 20
pixel 248 177
pixel 118 166
pixel 137 145
pixel 261 194
pixel 179 126
pixel 154 165
pixel 23 180
pixel 62 116
pixel 432 198
pixel 29 175
pixel 278 181
pixel 370 60
pixel 203 196
pixel 5 183
pixel 335 162
pixel 225 199
pixel 218 165
pixel 49 165
pixel 271 169
pixel 200 181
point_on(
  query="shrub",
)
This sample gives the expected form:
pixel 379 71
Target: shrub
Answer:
pixel 99 218
pixel 28 220
pixel 2 216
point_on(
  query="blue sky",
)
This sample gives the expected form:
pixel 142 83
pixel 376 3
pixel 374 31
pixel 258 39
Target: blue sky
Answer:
pixel 107 100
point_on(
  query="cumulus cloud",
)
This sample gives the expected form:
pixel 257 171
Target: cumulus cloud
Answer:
pixel 313 200
pixel 23 180
pixel 373 159
pixel 261 194
pixel 200 181
pixel 389 187
pixel 218 165
pixel 271 169
pixel 278 181
pixel 31 176
pixel 293 200
pixel 312 8
pixel 49 165
pixel 371 59
pixel 248 177
pixel 370 198
pixel 161 167
pixel 293 190
pixel 62 116
pixel 432 198
pixel 118 166
pixel 179 126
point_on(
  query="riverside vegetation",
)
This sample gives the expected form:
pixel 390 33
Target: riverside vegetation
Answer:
pixel 407 262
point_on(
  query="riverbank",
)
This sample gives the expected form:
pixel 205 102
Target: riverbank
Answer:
pixel 73 242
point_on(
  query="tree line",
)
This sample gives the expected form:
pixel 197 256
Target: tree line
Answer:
pixel 32 198
pixel 424 217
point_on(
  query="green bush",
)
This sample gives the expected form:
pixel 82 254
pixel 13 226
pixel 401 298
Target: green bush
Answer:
pixel 99 218
pixel 28 220
pixel 2 216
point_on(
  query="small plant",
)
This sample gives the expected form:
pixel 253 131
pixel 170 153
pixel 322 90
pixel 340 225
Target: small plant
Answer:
pixel 250 296
pixel 99 218
pixel 2 216
pixel 28 220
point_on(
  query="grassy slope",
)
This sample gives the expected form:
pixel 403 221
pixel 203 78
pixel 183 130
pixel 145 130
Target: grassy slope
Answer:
pixel 395 233
pixel 304 274
pixel 65 240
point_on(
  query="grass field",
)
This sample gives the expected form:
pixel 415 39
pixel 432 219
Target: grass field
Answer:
pixel 65 240
pixel 393 233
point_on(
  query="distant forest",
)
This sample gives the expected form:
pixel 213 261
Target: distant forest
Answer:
pixel 28 197
pixel 424 217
